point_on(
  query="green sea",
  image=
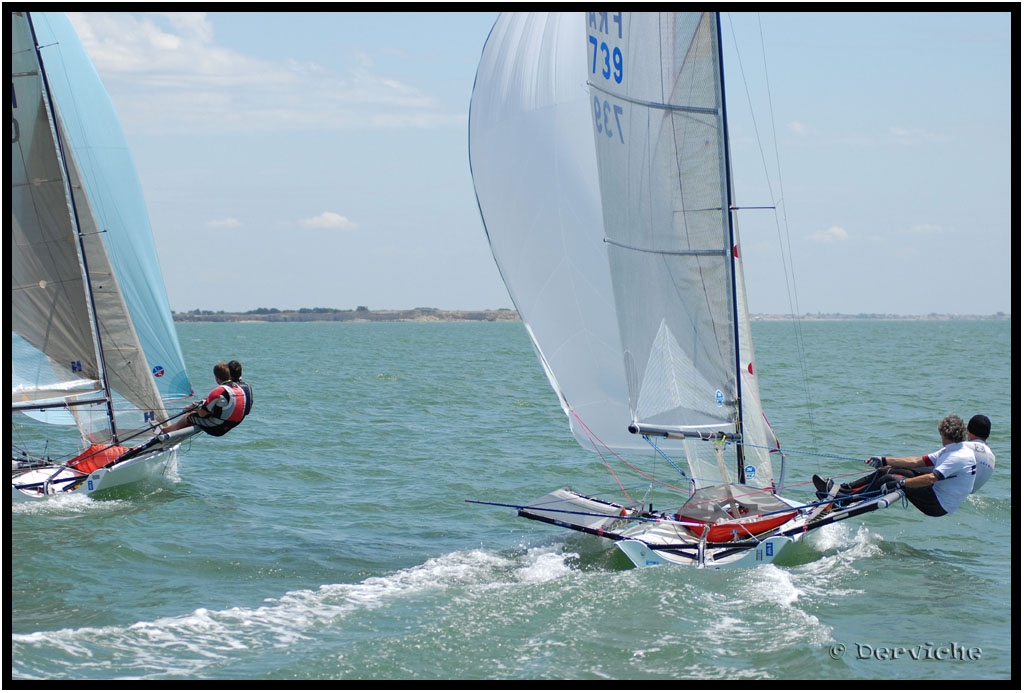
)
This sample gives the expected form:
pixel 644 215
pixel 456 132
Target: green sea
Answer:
pixel 329 537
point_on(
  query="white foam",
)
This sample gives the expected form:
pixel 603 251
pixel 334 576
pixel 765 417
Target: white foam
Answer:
pixel 459 568
pixel 157 646
pixel 544 565
pixel 830 537
pixel 67 503
pixel 773 584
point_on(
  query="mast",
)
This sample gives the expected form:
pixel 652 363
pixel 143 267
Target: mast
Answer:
pixel 740 473
pixel 73 208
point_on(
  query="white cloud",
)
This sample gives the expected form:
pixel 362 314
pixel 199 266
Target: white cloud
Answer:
pixel 167 73
pixel 229 223
pixel 329 220
pixel 913 135
pixel 797 127
pixel 833 234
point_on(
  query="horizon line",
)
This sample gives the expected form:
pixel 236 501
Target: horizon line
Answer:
pixel 321 309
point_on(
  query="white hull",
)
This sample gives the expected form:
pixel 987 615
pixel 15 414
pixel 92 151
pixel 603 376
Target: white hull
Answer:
pixel 46 482
pixel 644 555
pixel 650 539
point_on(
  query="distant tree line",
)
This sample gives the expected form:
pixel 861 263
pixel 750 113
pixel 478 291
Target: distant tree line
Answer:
pixel 267 311
pixel 361 313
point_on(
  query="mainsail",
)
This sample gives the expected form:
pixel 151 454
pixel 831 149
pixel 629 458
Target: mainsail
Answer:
pixel 50 307
pixel 660 134
pixel 108 174
pixel 599 156
pixel 88 301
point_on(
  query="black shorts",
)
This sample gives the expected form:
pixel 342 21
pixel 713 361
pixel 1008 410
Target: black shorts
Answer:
pixel 925 500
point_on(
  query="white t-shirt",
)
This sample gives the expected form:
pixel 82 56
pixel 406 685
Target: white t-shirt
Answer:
pixel 984 462
pixel 954 464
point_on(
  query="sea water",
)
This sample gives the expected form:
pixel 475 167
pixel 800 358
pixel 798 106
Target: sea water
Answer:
pixel 329 537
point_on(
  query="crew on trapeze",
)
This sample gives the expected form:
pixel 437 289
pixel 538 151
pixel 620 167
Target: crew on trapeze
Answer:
pixel 226 405
pixel 936 484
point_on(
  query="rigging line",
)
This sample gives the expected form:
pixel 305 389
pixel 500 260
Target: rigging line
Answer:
pixel 757 136
pixel 621 459
pixel 714 252
pixel 788 269
pixel 786 451
pixel 125 439
pixel 805 483
pixel 791 273
pixel 797 326
pixel 789 451
pixel 667 458
pixel 594 440
pixel 654 105
pixel 634 517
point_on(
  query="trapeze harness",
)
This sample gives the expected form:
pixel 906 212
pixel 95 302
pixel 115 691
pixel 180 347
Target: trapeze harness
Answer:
pixel 230 414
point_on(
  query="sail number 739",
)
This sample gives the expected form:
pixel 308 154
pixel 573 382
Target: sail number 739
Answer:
pixel 607 118
pixel 610 58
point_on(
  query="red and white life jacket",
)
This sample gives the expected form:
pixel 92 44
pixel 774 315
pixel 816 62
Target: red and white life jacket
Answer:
pixel 234 410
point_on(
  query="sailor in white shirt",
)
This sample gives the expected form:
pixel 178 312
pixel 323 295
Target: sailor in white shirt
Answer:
pixel 978 429
pixel 935 484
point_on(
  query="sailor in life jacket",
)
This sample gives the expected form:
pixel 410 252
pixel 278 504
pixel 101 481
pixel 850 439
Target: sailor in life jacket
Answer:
pixel 223 409
pixel 235 368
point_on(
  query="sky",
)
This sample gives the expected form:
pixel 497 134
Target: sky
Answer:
pixel 295 160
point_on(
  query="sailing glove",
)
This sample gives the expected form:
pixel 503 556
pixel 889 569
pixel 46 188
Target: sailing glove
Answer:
pixel 876 462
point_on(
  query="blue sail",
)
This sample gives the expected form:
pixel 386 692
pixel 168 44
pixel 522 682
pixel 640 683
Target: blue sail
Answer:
pixel 101 152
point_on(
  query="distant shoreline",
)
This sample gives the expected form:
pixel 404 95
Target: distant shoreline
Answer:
pixel 363 314
pixel 357 315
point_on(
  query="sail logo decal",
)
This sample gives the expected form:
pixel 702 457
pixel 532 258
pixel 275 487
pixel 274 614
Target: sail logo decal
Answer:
pixel 750 471
pixel 158 371
pixel 76 367
pixel 719 397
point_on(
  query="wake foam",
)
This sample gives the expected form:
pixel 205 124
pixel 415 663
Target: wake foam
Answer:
pixel 68 504
pixel 187 645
